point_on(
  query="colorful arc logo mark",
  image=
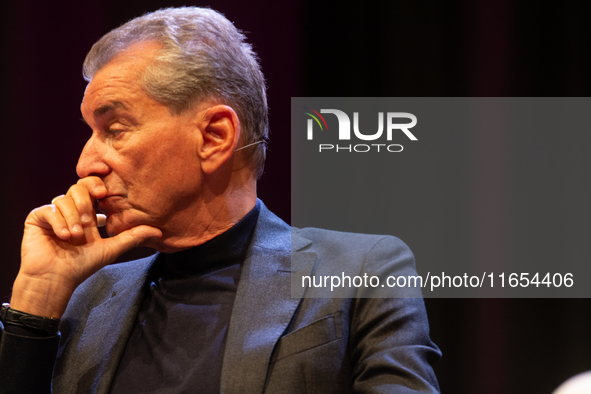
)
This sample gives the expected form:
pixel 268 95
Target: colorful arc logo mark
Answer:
pixel 316 119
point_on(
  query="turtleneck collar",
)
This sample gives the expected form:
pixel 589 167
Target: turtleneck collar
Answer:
pixel 224 250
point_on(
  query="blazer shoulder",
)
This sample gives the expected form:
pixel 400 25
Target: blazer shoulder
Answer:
pixel 346 240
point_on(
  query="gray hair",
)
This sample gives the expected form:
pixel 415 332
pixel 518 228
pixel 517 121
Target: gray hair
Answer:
pixel 203 56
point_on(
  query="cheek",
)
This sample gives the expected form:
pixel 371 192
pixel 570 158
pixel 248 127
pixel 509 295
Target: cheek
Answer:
pixel 142 161
pixel 167 168
pixel 160 162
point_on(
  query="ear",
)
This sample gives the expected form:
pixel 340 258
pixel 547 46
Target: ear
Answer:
pixel 220 132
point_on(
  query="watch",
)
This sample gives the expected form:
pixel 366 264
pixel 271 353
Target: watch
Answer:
pixel 23 319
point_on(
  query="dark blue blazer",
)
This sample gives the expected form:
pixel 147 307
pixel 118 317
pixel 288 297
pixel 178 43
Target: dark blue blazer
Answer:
pixel 279 340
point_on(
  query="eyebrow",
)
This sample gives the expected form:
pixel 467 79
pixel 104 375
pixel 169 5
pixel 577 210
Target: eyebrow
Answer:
pixel 103 109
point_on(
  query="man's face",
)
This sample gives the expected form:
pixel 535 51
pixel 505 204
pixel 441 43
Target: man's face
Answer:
pixel 146 157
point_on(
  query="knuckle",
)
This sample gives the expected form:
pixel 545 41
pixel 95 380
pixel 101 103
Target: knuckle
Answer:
pixel 82 182
pixel 36 210
pixel 43 214
pixel 62 203
pixel 34 213
pixel 79 195
pixel 42 210
pixel 73 189
pixel 57 198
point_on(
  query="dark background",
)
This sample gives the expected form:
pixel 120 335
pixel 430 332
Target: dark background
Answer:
pixel 345 48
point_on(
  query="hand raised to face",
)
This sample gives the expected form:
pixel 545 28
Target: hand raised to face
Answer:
pixel 62 247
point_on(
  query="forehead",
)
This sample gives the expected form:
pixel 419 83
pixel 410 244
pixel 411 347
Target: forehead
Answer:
pixel 119 77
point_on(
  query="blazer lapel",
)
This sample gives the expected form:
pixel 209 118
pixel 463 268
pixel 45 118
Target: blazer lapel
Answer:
pixel 105 334
pixel 264 306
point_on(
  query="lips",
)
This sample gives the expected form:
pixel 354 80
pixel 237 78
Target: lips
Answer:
pixel 109 204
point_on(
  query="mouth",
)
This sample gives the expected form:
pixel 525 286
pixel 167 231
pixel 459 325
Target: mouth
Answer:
pixel 108 204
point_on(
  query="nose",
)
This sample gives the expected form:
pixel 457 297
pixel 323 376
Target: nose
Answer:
pixel 92 159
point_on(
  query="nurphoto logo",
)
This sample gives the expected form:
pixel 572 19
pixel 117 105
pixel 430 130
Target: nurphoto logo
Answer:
pixel 344 130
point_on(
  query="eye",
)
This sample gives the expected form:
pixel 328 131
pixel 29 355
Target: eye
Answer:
pixel 115 132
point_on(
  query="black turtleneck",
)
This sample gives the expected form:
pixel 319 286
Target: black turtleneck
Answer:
pixel 178 341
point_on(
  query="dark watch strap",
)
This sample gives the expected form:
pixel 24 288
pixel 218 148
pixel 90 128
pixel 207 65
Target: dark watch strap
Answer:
pixel 18 318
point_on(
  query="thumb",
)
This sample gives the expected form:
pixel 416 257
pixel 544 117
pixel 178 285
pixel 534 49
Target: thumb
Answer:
pixel 129 239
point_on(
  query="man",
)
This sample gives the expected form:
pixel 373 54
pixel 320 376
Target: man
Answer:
pixel 176 103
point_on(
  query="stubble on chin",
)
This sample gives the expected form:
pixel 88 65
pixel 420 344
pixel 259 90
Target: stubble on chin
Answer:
pixel 116 224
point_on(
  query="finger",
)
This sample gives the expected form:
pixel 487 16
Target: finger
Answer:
pixel 94 185
pixel 49 218
pixel 84 204
pixel 55 198
pixel 91 233
pixel 67 208
pixel 128 240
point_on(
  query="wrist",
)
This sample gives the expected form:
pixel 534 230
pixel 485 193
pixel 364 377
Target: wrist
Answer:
pixel 39 297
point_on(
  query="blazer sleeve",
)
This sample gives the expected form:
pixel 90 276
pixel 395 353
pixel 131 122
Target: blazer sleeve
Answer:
pixel 391 351
pixel 26 361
